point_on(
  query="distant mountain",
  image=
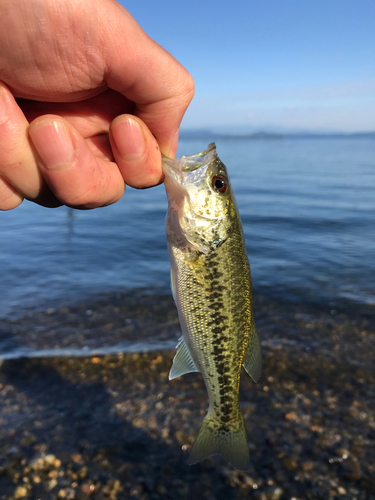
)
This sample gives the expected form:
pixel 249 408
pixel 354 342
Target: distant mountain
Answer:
pixel 270 129
pixel 236 133
pixel 333 135
pixel 255 135
pixel 212 135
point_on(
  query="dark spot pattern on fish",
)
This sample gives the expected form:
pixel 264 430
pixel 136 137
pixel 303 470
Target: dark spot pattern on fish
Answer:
pixel 214 296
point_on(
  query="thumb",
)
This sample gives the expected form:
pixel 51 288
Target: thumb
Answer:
pixel 160 87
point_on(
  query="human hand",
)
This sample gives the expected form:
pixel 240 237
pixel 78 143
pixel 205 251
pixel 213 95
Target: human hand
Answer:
pixel 88 103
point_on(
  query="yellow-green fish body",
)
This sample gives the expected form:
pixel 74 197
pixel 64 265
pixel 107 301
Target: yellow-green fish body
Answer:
pixel 211 284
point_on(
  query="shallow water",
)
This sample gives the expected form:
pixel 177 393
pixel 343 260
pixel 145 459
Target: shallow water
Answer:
pixel 308 211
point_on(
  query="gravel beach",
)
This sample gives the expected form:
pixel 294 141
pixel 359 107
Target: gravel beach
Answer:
pixel 114 427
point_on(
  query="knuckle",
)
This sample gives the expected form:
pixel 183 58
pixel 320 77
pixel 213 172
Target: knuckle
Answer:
pixel 16 154
pixel 10 155
pixel 84 200
pixel 99 192
pixel 189 86
pixel 9 198
pixel 186 87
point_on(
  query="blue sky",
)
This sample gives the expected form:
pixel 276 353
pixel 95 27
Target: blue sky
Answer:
pixel 262 64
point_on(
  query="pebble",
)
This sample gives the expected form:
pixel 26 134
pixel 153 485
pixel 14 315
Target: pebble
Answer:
pixel 307 466
pixel 82 473
pixel 52 484
pixel 76 457
pixel 88 488
pixel 43 462
pixel 89 447
pixel 290 464
pixel 20 492
pixel 342 452
pixel 292 416
pixel 274 493
pixel 67 493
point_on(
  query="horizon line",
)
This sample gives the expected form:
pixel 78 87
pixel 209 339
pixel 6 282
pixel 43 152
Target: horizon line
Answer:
pixel 265 132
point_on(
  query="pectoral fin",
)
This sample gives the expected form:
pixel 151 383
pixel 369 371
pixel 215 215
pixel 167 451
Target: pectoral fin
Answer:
pixel 253 358
pixel 182 362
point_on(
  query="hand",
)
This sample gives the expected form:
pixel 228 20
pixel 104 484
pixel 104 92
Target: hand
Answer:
pixel 87 103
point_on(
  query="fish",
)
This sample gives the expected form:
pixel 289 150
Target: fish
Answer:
pixel 212 288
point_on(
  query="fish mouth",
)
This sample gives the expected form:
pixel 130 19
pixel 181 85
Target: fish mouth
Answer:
pixel 175 167
pixel 175 175
pixel 175 170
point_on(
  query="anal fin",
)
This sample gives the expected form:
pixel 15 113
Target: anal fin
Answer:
pixel 253 358
pixel 182 362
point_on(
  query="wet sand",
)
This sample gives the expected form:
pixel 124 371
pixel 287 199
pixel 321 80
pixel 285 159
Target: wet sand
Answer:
pixel 114 427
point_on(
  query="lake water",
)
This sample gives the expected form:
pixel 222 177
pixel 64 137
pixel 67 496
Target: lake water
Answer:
pixel 307 207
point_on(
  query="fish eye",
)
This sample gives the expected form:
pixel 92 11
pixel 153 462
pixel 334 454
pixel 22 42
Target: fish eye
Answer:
pixel 220 183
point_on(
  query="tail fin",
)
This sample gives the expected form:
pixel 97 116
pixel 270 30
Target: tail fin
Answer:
pixel 230 443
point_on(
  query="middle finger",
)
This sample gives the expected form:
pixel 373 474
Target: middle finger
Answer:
pixel 18 165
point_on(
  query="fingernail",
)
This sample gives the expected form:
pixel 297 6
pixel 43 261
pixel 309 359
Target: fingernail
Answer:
pixel 174 145
pixel 129 139
pixel 3 106
pixel 53 143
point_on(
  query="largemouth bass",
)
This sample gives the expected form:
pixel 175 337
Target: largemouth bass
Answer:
pixel 211 285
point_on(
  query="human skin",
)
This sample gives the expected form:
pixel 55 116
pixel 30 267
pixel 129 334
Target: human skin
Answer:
pixel 88 102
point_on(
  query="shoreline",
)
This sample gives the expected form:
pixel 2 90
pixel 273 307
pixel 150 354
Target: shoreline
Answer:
pixel 114 427
pixel 131 321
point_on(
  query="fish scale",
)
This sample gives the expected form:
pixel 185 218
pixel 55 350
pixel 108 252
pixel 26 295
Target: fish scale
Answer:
pixel 211 284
